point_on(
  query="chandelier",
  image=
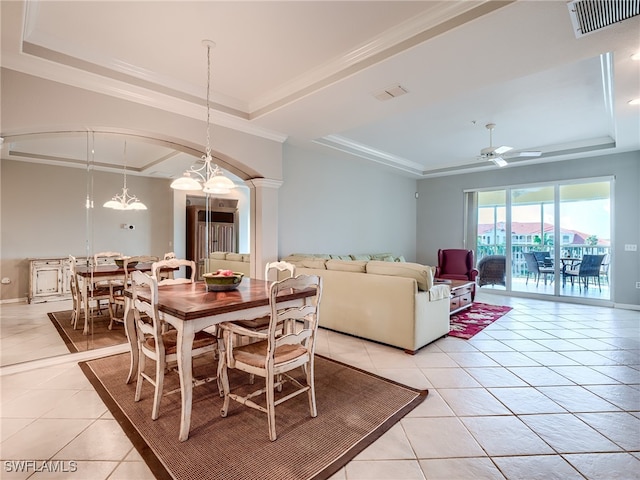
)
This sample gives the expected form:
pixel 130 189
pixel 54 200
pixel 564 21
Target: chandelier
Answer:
pixel 209 177
pixel 125 201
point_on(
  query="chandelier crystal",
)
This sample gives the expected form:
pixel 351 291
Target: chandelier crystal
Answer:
pixel 125 201
pixel 209 177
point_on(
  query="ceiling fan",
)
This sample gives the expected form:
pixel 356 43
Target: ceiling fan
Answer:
pixel 498 155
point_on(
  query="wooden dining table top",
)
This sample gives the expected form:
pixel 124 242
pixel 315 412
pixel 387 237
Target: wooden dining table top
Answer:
pixel 109 269
pixel 191 301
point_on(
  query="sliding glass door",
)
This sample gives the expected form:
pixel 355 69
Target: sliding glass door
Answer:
pixel 555 237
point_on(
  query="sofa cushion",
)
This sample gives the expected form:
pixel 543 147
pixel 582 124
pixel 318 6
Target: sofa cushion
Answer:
pixel 246 257
pixel 347 265
pixel 423 274
pixel 381 256
pixel 218 255
pixel 365 258
pixel 340 257
pixel 312 263
pixel 234 257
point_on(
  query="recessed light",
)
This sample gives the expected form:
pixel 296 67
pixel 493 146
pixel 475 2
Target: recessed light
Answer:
pixel 635 101
pixel 635 56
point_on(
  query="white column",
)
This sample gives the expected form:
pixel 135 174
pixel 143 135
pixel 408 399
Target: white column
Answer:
pixel 264 223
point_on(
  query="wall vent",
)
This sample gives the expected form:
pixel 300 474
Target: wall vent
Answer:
pixel 587 16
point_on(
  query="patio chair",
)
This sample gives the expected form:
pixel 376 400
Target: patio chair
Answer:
pixel 588 267
pixel 492 270
pixel 536 267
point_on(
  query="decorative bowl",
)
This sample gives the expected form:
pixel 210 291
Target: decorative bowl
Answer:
pixel 222 280
pixel 120 263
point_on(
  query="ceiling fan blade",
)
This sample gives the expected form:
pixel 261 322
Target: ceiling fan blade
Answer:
pixel 499 161
pixel 527 154
pixel 502 149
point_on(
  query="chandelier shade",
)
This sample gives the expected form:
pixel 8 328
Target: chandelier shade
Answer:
pixel 209 177
pixel 125 201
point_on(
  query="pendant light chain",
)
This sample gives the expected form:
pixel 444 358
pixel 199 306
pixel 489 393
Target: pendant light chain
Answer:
pixel 208 150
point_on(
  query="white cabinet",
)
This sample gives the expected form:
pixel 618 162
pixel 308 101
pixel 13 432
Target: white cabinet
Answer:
pixel 49 279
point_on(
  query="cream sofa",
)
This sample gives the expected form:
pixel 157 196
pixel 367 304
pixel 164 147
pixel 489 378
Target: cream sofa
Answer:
pixel 390 302
pixel 237 262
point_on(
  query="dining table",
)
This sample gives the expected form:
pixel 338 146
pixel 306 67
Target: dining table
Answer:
pixel 102 273
pixel 191 308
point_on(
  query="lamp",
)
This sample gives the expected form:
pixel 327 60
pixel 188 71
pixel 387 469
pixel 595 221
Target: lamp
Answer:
pixel 125 201
pixel 211 178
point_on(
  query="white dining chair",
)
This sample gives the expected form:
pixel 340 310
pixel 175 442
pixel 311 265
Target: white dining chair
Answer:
pixel 272 355
pixel 156 345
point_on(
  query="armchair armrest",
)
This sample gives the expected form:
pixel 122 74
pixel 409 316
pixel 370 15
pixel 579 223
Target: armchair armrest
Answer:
pixel 473 273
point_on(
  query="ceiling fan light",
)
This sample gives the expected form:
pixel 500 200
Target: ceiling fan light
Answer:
pixel 186 182
pixel 113 204
pixel 502 149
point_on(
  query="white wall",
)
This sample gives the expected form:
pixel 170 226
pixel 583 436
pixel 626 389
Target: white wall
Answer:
pixel 329 204
pixel 447 194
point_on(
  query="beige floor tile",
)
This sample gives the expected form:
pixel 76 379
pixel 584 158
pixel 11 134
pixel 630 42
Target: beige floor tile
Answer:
pixel 412 377
pixel 83 404
pixel 568 434
pixel 539 376
pixel 42 438
pixel 583 375
pixel 434 360
pixel 460 468
pixel 620 427
pixel 523 401
pixel 443 437
pixel 505 436
pixel 450 378
pixel 495 377
pixel 80 469
pixel 577 399
pixel 623 396
pixel 513 359
pixel 537 467
pixel 606 466
pixel 432 406
pixel 35 403
pixel 132 470
pixel 107 435
pixel 9 426
pixel 393 445
pixel 472 359
pixel 384 469
pixel 467 402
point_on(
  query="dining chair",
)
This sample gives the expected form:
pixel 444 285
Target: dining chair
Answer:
pixel 274 357
pixel 160 268
pixel 116 289
pixel 156 345
pixel 164 274
pixel 107 258
pixel 262 323
pixel 96 293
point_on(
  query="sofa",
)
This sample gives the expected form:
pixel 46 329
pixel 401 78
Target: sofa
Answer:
pixel 236 262
pixel 379 298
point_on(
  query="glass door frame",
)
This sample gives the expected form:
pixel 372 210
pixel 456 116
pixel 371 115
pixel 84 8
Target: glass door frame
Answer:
pixel 471 233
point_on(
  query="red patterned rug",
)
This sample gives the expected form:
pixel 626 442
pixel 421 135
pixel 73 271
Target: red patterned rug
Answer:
pixel 467 323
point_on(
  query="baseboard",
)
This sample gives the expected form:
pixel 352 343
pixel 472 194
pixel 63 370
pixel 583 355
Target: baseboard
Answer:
pixel 626 306
pixel 14 300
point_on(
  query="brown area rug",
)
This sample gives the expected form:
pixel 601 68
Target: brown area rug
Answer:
pixel 354 409
pixel 100 336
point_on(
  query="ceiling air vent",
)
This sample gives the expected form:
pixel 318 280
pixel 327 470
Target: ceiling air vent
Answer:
pixel 588 16
pixel 391 92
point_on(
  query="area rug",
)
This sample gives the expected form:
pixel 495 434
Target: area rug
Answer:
pixel 354 409
pixel 467 323
pixel 100 335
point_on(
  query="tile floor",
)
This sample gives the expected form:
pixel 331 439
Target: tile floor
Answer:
pixel 550 391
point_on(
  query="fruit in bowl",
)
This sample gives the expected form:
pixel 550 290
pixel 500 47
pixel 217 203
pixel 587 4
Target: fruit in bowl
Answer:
pixel 223 280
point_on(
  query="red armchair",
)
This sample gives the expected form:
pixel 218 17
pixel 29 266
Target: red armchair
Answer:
pixel 456 264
